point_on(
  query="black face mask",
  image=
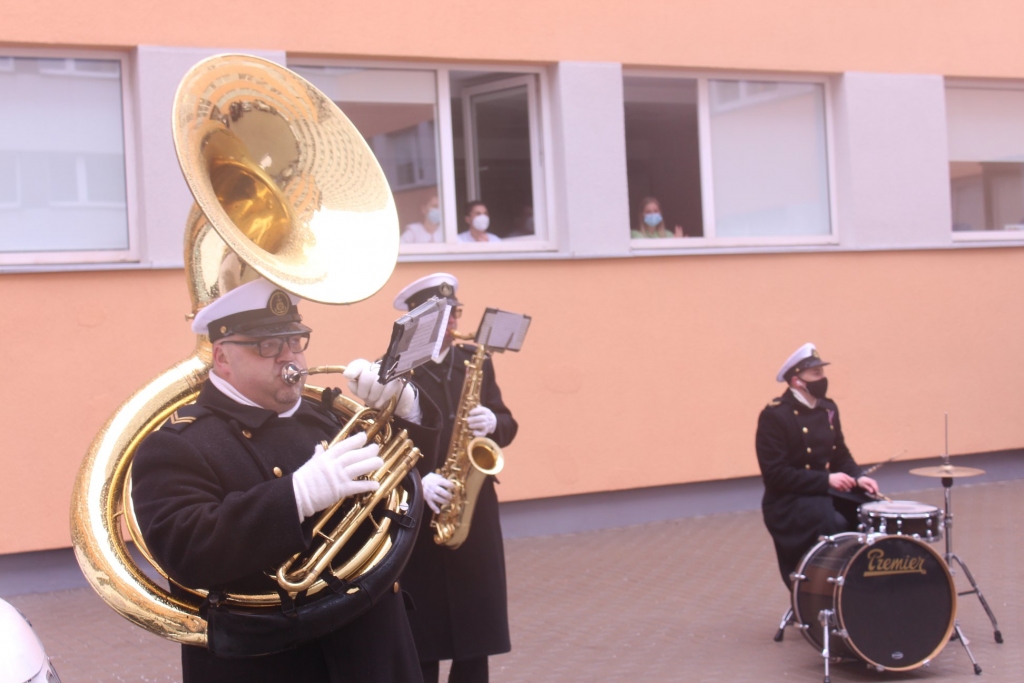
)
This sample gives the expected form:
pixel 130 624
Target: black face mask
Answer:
pixel 818 388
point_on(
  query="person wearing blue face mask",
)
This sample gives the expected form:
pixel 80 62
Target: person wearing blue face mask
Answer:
pixel 429 231
pixel 652 223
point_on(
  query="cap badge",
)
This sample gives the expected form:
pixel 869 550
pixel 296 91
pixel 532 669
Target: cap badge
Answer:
pixel 279 303
pixel 445 289
pixel 814 353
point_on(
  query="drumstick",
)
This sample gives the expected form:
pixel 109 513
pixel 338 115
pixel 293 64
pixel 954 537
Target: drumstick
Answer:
pixel 878 466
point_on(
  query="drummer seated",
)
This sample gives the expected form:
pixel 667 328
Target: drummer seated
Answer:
pixel 812 485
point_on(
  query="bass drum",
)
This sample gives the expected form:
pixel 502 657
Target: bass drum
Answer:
pixel 892 599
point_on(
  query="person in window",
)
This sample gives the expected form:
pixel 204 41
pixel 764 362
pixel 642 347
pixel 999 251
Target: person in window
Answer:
pixel 478 222
pixel 812 485
pixel 523 225
pixel 652 223
pixel 429 231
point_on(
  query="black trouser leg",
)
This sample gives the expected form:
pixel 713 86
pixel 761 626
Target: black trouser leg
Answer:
pixel 431 671
pixel 469 671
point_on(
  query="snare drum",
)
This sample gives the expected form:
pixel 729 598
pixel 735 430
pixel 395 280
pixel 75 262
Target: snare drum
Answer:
pixel 904 517
pixel 892 599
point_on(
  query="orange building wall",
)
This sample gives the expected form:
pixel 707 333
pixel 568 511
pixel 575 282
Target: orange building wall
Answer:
pixel 953 37
pixel 636 372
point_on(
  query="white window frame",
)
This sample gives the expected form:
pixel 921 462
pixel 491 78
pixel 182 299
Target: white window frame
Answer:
pixel 17 188
pixel 540 143
pixel 131 254
pixel 982 84
pixel 709 240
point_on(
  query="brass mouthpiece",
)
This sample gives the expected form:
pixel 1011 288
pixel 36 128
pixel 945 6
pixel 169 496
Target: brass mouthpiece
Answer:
pixel 291 374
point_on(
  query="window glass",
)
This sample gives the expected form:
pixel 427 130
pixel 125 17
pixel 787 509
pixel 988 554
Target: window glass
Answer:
pixel 663 157
pixel 62 160
pixel 396 112
pixel 986 158
pixel 768 156
pixel 495 136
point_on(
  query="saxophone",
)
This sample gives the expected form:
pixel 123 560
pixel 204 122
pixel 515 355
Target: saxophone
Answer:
pixel 469 461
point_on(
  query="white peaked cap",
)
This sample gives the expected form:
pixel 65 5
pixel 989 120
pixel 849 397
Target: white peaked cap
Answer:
pixel 442 285
pixel 806 357
pixel 259 297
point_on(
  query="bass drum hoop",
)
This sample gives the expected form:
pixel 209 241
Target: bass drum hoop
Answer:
pixel 838 600
pixel 837 597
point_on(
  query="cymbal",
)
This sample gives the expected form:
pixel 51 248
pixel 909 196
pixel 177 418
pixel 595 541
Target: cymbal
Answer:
pixel 947 471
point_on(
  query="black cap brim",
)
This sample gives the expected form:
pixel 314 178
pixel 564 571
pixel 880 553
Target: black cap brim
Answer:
pixel 275 330
pixel 805 364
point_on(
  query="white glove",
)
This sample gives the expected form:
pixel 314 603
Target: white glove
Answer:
pixel 363 381
pixel 437 491
pixel 481 421
pixel 333 474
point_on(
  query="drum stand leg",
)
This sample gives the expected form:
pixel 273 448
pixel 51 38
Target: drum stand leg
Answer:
pixel 947 483
pixel 825 617
pixel 786 618
pixel 965 643
pixel 976 591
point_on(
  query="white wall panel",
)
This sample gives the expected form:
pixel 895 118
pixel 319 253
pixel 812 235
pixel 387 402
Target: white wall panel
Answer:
pixel 892 161
pixel 590 164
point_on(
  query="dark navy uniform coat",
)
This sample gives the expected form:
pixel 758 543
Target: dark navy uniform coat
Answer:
pixel 216 514
pixel 461 605
pixel 797 448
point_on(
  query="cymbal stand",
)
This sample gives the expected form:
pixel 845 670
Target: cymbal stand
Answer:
pixel 950 556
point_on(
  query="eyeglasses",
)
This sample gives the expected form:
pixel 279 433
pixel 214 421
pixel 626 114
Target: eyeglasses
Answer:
pixel 271 347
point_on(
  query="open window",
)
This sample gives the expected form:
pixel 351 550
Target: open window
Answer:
pixel 986 161
pixel 500 155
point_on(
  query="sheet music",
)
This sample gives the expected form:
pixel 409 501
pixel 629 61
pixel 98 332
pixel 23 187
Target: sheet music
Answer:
pixel 502 330
pixel 416 338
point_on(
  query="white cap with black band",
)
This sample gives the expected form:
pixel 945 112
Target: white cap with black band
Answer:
pixel 804 358
pixel 441 285
pixel 258 308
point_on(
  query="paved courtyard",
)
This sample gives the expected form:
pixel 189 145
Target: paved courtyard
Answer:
pixel 696 599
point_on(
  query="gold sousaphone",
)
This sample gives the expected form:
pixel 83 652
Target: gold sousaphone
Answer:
pixel 285 188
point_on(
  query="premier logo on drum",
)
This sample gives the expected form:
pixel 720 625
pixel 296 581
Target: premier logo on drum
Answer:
pixel 880 565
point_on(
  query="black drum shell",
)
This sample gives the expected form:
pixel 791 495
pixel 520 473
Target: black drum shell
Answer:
pixel 896 615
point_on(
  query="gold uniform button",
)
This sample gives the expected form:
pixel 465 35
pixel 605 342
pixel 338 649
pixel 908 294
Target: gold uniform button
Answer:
pixel 807 467
pixel 808 449
pixel 833 448
pixel 246 433
pixel 832 428
pixel 805 430
pixel 796 412
pixel 278 472
pixel 396 587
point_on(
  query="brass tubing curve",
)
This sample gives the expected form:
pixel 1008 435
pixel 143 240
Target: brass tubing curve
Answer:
pixel 398 450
